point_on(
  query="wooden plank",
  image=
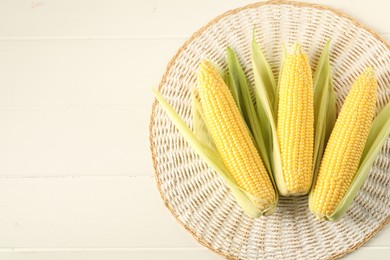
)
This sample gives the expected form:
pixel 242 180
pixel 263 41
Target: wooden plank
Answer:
pixel 75 141
pixel 88 72
pixel 121 18
pixel 157 253
pixel 117 254
pixel 364 253
pixel 77 72
pixel 90 212
pixel 94 19
pixel 152 254
pixel 86 213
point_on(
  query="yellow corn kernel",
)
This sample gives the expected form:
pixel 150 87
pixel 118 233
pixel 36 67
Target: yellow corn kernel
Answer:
pixel 345 146
pixel 231 136
pixel 295 126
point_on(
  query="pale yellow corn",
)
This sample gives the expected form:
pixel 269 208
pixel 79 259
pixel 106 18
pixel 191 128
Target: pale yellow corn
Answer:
pixel 231 136
pixel 295 124
pixel 345 146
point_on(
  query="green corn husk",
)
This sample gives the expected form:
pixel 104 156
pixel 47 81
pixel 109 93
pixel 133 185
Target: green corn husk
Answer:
pixel 267 102
pixel 265 77
pixel 212 158
pixel 233 89
pixel 240 84
pixel 198 122
pixel 380 131
pixel 324 107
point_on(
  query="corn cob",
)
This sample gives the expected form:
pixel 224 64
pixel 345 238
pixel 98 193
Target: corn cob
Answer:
pixel 232 137
pixel 345 147
pixel 295 126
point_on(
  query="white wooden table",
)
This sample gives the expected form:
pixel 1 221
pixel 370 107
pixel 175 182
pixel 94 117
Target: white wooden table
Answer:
pixel 76 178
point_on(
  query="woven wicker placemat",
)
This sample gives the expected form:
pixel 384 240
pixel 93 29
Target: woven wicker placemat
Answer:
pixel 194 193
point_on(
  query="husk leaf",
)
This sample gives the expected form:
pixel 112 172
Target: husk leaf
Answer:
pixel 266 101
pixel 324 107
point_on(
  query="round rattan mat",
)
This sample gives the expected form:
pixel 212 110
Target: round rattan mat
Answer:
pixel 194 193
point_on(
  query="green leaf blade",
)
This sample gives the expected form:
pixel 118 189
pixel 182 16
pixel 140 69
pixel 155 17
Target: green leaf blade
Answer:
pixel 199 125
pixel 264 71
pixel 265 89
pixel 324 107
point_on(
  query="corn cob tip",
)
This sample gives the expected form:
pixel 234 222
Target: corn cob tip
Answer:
pixel 369 72
pixel 296 48
pixel 205 64
pixel 206 69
